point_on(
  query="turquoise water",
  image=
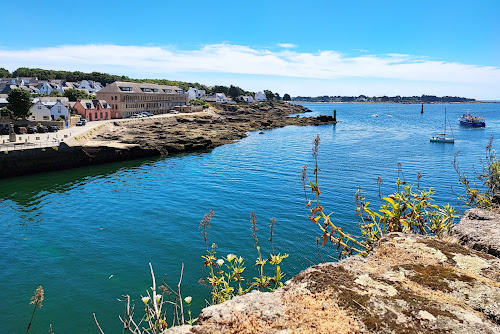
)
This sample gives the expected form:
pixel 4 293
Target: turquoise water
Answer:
pixel 71 230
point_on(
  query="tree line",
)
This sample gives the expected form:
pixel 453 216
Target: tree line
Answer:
pixel 394 99
pixel 104 78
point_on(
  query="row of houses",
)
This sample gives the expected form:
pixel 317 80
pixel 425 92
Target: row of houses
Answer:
pixel 200 94
pixel 59 108
pixel 35 86
pixel 116 100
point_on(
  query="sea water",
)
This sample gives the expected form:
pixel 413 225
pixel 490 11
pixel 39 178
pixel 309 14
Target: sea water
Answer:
pixel 88 234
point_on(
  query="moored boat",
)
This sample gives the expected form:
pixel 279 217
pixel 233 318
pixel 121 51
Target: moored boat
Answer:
pixel 473 121
pixel 441 137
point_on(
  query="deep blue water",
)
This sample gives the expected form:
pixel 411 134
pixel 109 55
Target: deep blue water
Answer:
pixel 71 230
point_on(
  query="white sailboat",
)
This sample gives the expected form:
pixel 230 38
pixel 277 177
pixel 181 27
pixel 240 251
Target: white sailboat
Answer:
pixel 441 137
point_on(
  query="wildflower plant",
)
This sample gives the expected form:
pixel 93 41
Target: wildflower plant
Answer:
pixel 225 275
pixel 483 191
pixel 407 211
pixel 158 306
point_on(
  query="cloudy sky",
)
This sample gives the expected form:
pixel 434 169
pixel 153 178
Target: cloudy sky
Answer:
pixel 296 47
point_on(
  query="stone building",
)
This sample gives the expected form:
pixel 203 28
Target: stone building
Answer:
pixel 129 98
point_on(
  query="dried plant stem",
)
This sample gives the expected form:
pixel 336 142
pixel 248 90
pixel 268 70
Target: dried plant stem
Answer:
pixel 179 295
pixel 97 324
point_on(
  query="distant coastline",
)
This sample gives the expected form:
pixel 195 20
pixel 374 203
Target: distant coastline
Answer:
pixel 426 99
pixel 391 102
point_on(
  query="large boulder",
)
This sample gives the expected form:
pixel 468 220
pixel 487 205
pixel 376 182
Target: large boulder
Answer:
pixel 480 230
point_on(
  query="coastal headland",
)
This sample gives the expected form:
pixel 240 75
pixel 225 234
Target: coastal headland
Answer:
pixel 157 136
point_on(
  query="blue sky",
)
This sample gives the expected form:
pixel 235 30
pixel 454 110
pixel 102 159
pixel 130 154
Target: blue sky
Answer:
pixel 296 47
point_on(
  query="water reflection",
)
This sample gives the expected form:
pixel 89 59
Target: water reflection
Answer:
pixel 28 192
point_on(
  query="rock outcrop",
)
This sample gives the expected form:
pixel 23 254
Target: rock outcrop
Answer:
pixel 408 284
pixel 480 230
pixel 204 130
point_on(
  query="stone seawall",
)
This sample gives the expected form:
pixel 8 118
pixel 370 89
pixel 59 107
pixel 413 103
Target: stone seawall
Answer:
pixel 17 163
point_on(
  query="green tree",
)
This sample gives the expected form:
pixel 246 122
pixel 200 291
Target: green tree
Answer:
pixel 277 96
pixel 269 94
pixel 4 73
pixel 19 102
pixel 220 89
pixel 286 97
pixel 55 93
pixel 234 92
pixel 75 94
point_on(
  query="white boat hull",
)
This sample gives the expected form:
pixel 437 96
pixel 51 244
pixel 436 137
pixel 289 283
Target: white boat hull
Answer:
pixel 442 140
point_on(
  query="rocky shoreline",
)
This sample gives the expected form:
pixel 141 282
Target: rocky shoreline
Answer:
pixel 408 284
pixel 205 130
pixel 158 136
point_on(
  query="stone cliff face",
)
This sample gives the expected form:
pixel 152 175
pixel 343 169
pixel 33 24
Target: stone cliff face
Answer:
pixel 408 284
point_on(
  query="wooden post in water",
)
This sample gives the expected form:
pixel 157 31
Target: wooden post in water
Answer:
pixel 422 111
pixel 334 115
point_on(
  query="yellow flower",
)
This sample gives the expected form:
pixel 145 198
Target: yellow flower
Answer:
pixel 145 300
pixel 220 262
pixel 188 299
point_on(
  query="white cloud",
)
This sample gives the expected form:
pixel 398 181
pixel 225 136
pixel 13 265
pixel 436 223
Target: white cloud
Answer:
pixel 287 45
pixel 243 61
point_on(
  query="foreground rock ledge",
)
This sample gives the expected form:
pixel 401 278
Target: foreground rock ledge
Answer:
pixel 409 284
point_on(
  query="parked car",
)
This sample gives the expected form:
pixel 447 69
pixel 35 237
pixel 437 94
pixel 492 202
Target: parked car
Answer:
pixel 31 129
pixel 80 123
pixel 53 128
pixel 83 120
pixel 42 129
pixel 20 129
pixel 146 114
pixel 4 131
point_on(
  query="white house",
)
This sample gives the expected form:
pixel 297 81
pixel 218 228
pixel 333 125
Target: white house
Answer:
pixel 195 93
pixel 44 110
pixel 220 98
pixel 91 86
pixel 259 96
pixel 57 109
pixel 39 112
pixel 245 98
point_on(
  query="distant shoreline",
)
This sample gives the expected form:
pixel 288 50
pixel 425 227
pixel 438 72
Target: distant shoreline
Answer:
pixel 389 102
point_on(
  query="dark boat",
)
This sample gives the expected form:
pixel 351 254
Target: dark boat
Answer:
pixel 473 121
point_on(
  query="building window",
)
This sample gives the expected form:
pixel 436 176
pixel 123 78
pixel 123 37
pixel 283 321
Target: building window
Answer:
pixel 101 115
pixel 126 89
pixel 96 115
pixel 106 114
